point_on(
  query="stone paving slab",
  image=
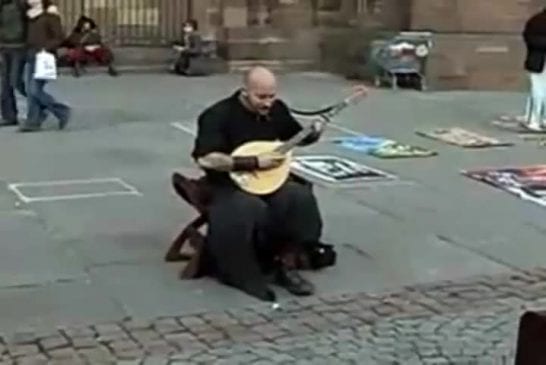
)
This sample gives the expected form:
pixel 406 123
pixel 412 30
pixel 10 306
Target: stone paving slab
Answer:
pixel 29 256
pixel 46 306
pixel 470 322
pixel 140 297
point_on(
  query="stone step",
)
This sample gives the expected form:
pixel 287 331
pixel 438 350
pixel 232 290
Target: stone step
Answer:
pixel 142 56
pixel 254 33
pixel 268 49
pixel 280 66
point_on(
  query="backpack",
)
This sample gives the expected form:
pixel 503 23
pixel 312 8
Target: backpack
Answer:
pixel 12 26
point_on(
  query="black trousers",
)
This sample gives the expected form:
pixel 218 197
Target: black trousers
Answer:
pixel 242 227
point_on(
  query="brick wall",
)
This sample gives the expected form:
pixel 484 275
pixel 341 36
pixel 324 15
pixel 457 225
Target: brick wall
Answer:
pixel 476 61
pixel 471 16
pixel 477 43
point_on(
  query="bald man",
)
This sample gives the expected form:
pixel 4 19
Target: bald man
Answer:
pixel 244 229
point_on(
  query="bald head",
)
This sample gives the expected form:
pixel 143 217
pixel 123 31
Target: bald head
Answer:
pixel 258 77
pixel 260 86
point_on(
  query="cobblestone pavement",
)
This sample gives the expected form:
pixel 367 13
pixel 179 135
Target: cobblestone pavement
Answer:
pixel 471 322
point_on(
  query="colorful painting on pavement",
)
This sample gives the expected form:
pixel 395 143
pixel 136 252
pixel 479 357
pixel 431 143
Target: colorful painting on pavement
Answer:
pixel 463 138
pixel 382 147
pixel 337 170
pixel 527 182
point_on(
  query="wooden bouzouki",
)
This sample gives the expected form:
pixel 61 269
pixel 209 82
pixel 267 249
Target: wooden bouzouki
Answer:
pixel 263 182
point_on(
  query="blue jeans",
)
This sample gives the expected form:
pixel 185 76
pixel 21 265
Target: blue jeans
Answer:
pixel 39 101
pixel 13 63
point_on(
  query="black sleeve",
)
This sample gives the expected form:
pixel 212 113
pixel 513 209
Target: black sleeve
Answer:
pixel 290 126
pixel 210 136
pixel 533 38
pixel 56 33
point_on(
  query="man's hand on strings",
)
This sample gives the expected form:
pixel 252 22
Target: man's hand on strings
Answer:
pixel 270 160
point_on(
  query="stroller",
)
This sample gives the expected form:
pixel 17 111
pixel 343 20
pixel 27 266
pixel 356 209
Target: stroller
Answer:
pixel 401 60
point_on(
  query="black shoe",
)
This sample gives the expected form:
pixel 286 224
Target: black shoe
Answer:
pixel 8 124
pixel 292 281
pixel 112 71
pixel 269 296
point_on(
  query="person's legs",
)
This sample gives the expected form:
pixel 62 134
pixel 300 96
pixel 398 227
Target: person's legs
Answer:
pixel 36 113
pixel 294 219
pixel 295 213
pixel 236 220
pixel 181 64
pixel 18 72
pixel 40 101
pixel 538 95
pixel 8 101
pixel 528 107
pixel 542 98
pixel 104 57
pixel 75 57
pixel 59 110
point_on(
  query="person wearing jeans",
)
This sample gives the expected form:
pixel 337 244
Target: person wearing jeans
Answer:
pixel 45 33
pixel 13 26
pixel 40 102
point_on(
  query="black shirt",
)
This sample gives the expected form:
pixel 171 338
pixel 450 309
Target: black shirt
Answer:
pixel 228 124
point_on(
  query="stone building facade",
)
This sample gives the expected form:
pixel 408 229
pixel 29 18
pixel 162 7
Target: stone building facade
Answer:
pixel 477 43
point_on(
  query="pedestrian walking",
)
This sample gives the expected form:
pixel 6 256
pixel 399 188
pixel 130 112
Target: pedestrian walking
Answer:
pixel 45 34
pixel 13 32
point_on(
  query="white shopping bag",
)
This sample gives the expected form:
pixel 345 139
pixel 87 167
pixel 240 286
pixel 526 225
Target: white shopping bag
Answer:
pixel 46 66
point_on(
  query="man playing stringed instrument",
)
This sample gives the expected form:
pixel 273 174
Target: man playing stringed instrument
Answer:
pixel 244 228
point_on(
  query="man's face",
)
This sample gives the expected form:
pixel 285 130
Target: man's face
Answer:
pixel 261 98
pixel 86 26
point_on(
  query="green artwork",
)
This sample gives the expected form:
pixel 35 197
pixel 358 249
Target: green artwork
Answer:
pixel 394 149
pixel 381 147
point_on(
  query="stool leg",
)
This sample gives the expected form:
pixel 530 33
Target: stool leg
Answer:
pixel 173 254
pixel 192 268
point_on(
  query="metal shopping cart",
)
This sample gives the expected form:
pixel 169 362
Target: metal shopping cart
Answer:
pixel 401 59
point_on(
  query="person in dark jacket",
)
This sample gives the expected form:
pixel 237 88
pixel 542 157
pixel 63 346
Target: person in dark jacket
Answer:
pixel 85 45
pixel 13 27
pixel 45 33
pixel 534 36
pixel 189 48
pixel 238 245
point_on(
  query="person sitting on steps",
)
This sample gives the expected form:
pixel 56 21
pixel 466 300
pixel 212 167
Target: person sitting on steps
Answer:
pixel 85 45
pixel 189 49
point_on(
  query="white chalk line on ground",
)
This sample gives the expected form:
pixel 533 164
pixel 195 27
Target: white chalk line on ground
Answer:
pixel 181 127
pixel 15 187
pixel 192 132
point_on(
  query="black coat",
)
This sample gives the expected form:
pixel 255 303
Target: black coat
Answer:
pixel 20 21
pixel 534 36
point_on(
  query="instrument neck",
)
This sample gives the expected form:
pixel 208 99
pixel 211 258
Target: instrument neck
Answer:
pixel 308 130
pixel 295 140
